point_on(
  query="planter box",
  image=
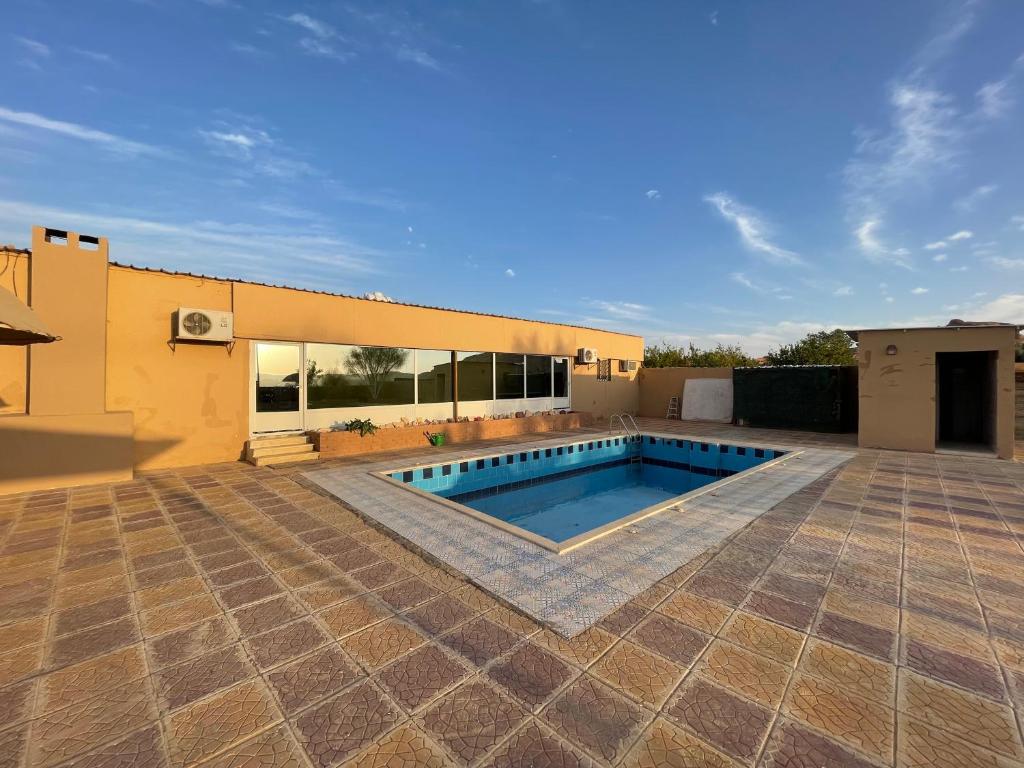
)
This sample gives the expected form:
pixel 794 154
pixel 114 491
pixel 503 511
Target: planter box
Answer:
pixel 351 444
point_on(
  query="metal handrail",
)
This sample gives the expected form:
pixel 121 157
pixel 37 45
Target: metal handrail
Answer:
pixel 622 420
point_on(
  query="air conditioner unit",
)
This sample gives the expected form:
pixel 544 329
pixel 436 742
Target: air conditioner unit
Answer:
pixel 204 325
pixel 585 355
pixel 625 366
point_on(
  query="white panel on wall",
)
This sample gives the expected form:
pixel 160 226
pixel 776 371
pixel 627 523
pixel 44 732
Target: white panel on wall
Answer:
pixel 707 400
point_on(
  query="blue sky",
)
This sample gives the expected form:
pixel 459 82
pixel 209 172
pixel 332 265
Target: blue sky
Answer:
pixel 742 172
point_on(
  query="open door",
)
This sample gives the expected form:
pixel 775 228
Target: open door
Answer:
pixel 965 400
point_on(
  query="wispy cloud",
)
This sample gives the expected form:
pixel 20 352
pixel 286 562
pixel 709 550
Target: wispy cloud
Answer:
pixel 319 28
pixel 757 287
pixel 510 272
pixel 98 56
pixel 939 257
pixel 299 257
pixel 963 234
pixel 1004 263
pixel 106 140
pixel 843 290
pixel 323 38
pixel 919 291
pixel 418 57
pixel 652 194
pixel 753 231
pixel 938 245
pixel 972 199
pixel 35 47
pixel 875 250
pixel 240 141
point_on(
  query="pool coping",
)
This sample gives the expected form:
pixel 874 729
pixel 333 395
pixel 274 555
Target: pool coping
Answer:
pixel 561 548
pixel 571 592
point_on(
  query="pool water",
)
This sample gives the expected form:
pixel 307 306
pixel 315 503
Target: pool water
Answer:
pixel 564 491
pixel 561 509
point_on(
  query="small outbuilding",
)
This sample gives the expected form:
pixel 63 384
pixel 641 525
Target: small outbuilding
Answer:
pixel 947 389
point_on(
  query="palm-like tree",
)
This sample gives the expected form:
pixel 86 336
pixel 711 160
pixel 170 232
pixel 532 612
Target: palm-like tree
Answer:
pixel 373 364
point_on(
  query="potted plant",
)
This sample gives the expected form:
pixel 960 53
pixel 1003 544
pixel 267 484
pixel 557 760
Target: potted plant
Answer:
pixel 363 426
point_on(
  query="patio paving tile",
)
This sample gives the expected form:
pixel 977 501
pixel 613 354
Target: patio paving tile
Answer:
pixel 202 675
pixel 420 676
pixel 212 725
pixel 747 673
pixel 440 614
pixel 536 746
pixel 472 719
pixel 731 723
pixel 382 643
pixel 794 746
pixel 90 678
pixel 596 718
pixel 285 642
pixel 311 678
pixel 142 749
pixel 663 745
pixel 183 644
pixel 69 649
pixel 345 724
pixel 480 640
pixel 531 674
pixel 670 639
pixel 404 747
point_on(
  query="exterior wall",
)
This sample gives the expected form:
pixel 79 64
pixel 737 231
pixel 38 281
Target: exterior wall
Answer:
pixel 14 360
pixel 897 392
pixel 603 398
pixel 66 450
pixel 191 401
pixel 658 385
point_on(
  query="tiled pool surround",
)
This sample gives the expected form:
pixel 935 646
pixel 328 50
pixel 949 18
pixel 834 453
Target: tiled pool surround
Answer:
pixel 572 591
pixel 457 483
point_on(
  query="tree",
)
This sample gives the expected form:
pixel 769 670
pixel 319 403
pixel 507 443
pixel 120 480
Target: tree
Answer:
pixel 821 348
pixel 665 355
pixel 313 372
pixel 373 364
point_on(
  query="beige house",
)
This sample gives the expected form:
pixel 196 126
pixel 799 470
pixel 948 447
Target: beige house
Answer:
pixel 947 389
pixel 127 388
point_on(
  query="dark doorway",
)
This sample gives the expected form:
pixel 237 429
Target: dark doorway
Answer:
pixel 965 399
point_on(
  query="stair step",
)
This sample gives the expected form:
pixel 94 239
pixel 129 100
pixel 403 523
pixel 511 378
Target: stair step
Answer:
pixel 266 441
pixel 266 461
pixel 258 451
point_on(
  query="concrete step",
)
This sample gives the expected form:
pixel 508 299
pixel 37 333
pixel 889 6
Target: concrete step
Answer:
pixel 290 458
pixel 258 451
pixel 266 441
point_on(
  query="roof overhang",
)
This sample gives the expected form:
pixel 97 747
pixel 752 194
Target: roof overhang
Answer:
pixel 19 325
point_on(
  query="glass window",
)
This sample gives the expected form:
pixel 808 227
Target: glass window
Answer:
pixel 343 376
pixel 538 376
pixel 434 375
pixel 508 370
pixel 561 377
pixel 476 376
pixel 277 378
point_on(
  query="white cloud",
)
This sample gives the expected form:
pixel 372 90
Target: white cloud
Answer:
pixel 317 47
pixel 919 291
pixel 963 234
pixel 103 58
pixel 844 290
pixel 34 47
pixel 889 299
pixel 993 99
pixel 1004 263
pixel 510 272
pixel 653 194
pixel 939 257
pixel 308 256
pixel 875 249
pixel 713 18
pixel 958 269
pixel 419 57
pixel 241 141
pixel 75 131
pixel 937 245
pixel 972 199
pixel 752 230
pixel 319 28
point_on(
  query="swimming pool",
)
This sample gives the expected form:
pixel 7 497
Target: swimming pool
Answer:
pixel 566 495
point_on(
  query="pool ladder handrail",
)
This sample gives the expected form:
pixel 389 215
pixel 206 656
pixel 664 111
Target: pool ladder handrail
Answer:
pixel 622 420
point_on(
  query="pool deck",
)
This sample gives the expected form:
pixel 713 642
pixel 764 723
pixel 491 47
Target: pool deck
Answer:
pixel 234 615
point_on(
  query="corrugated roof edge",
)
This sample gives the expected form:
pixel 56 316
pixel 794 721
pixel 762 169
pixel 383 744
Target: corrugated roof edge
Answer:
pixel 361 298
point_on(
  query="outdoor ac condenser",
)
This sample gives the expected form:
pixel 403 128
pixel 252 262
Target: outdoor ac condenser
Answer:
pixel 586 355
pixel 204 325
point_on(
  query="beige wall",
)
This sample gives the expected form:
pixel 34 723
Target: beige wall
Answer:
pixel 66 450
pixel 658 385
pixel 897 392
pixel 603 398
pixel 13 360
pixel 190 400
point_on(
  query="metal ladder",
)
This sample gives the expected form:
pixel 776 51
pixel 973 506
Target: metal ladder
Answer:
pixel 673 408
pixel 634 458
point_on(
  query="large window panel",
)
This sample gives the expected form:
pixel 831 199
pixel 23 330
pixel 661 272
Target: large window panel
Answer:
pixel 434 375
pixel 476 376
pixel 561 377
pixel 508 376
pixel 344 376
pixel 538 376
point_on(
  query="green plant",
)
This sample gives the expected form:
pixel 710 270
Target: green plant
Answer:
pixel 363 426
pixel 666 355
pixel 821 348
pixel 435 438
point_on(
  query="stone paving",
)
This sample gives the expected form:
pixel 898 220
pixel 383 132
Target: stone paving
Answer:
pixel 232 616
